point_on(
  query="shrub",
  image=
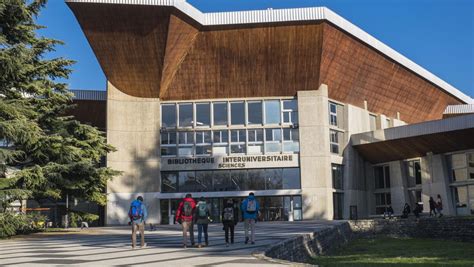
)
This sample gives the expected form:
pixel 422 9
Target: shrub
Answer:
pixel 76 217
pixel 13 224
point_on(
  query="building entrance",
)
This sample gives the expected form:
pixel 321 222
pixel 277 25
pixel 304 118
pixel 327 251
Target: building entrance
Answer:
pixel 272 208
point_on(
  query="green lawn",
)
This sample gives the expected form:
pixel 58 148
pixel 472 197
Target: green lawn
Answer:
pixel 400 252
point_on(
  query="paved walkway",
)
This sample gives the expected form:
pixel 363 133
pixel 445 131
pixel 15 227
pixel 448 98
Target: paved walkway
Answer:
pixel 111 246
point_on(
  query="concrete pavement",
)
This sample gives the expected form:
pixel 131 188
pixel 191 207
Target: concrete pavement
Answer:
pixel 111 246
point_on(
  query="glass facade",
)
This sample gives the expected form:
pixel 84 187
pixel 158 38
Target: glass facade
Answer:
pixel 267 126
pixel 414 173
pixel 230 180
pixel 337 176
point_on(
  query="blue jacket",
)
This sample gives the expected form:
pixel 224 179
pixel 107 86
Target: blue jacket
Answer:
pixel 144 211
pixel 243 208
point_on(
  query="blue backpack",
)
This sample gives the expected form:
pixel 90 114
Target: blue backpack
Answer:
pixel 135 212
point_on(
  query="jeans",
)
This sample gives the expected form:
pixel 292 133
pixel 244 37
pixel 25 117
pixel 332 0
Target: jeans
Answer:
pixel 141 228
pixel 188 226
pixel 229 227
pixel 202 228
pixel 249 224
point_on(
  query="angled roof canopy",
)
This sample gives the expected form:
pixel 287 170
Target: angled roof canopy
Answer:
pixel 171 50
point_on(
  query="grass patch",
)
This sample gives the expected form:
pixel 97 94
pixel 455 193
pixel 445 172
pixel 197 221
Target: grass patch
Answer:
pixel 400 252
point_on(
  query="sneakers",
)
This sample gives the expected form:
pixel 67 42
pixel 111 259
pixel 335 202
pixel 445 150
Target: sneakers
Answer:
pixel 253 243
pixel 199 246
pixel 246 240
pixel 185 246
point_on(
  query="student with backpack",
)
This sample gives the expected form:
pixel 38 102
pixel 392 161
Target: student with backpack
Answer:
pixel 202 220
pixel 230 217
pixel 184 216
pixel 138 215
pixel 250 209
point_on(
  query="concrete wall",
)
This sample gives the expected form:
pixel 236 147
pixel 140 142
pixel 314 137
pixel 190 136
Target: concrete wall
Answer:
pixel 315 156
pixel 133 128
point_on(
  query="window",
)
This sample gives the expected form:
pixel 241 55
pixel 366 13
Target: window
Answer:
pixel 169 182
pixel 291 140
pixel 237 114
pixel 470 165
pixel 273 178
pixel 334 141
pixel 203 182
pixel 222 181
pixel 290 111
pixel 337 176
pixel 203 143
pixel 187 181
pixel 221 142
pixel 237 141
pixel 255 144
pixel 382 177
pixel 373 122
pixel 220 113
pixel 272 112
pixel 382 202
pixel 230 180
pixel 254 110
pixel 273 140
pixel 185 115
pixel 459 167
pixel 168 144
pixel 332 114
pixel 186 143
pixel 291 178
pixel 203 114
pixel 414 173
pixel 168 115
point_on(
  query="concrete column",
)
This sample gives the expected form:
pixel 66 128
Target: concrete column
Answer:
pixel 132 128
pixel 315 156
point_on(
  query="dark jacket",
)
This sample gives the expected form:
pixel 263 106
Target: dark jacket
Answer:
pixel 201 220
pixel 236 214
pixel 432 204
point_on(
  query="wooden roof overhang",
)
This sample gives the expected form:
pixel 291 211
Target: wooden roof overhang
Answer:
pixel 416 140
pixel 160 51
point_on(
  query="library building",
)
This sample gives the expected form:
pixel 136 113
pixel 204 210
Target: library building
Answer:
pixel 315 116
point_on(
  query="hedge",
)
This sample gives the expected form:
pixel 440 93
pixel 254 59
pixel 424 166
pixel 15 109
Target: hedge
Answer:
pixel 14 224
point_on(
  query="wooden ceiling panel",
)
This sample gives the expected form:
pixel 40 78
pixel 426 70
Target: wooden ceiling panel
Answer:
pixel 355 72
pixel 129 43
pixel 154 51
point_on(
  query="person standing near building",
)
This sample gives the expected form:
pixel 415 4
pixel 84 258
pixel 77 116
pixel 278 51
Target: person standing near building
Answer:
pixel 138 215
pixel 439 206
pixel 184 216
pixel 432 207
pixel 230 217
pixel 250 209
pixel 201 218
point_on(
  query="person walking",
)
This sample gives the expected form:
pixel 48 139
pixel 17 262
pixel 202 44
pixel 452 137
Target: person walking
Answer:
pixel 138 215
pixel 439 206
pixel 250 209
pixel 230 217
pixel 432 207
pixel 201 216
pixel 184 216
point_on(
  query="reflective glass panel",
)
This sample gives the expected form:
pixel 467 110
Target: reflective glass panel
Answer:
pixel 168 115
pixel 185 115
pixel 220 113
pixel 203 114
pixel 272 112
pixel 237 113
pixel 254 112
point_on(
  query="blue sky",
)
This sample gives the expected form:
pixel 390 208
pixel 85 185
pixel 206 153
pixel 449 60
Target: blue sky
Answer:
pixel 436 34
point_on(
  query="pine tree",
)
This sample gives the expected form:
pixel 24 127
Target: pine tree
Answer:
pixel 43 152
